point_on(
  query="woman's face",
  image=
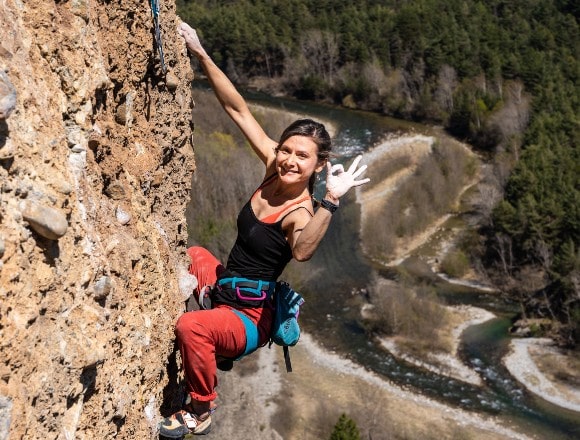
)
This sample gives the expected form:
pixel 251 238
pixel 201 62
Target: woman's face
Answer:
pixel 297 159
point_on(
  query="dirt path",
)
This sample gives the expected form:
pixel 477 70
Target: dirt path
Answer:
pixel 416 147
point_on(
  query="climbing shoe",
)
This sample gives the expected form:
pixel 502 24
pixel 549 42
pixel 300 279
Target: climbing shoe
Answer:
pixel 183 422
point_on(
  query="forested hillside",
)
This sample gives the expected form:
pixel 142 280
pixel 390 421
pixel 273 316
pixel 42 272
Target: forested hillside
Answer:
pixel 501 74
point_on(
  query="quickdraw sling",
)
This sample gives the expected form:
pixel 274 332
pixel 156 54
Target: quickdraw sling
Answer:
pixel 158 42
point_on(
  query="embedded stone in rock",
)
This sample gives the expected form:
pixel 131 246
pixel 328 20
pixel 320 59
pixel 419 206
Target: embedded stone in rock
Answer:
pixel 75 136
pixel 116 191
pixel 7 151
pixel 48 222
pixel 95 137
pixel 121 114
pixel 78 161
pixel 187 283
pixel 124 115
pixel 63 187
pixel 172 81
pixel 102 287
pixel 7 96
pixel 78 148
pixel 81 9
pixel 5 411
pixel 122 215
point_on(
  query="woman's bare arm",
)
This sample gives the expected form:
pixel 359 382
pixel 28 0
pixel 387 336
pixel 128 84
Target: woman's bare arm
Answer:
pixel 230 99
pixel 305 233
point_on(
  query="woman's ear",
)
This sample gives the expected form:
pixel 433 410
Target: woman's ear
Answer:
pixel 320 165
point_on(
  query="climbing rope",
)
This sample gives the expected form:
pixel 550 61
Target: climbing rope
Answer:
pixel 155 13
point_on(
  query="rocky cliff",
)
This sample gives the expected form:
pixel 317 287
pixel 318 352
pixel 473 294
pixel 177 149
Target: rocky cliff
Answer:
pixel 95 167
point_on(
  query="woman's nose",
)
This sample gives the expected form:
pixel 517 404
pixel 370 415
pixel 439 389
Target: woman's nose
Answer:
pixel 291 159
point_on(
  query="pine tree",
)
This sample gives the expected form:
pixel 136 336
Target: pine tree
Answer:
pixel 345 429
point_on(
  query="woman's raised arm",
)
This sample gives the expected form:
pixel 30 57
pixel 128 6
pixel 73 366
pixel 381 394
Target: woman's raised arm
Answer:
pixel 230 99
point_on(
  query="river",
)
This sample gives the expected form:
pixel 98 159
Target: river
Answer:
pixel 331 313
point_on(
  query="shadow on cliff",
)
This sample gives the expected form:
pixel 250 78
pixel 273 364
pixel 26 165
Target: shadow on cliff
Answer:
pixel 174 391
pixel 50 248
pixel 3 132
pixel 174 394
pixel 6 159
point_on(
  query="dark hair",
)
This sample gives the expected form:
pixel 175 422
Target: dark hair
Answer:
pixel 315 131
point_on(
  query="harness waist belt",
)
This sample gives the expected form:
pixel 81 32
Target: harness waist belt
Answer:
pixel 245 283
pixel 242 292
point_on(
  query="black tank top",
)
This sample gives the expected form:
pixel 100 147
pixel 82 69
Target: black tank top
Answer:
pixel 261 251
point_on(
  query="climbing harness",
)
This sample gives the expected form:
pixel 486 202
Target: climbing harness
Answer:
pixel 241 292
pixel 155 14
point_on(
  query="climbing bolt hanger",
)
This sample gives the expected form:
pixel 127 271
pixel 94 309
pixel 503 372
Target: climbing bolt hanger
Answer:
pixel 155 13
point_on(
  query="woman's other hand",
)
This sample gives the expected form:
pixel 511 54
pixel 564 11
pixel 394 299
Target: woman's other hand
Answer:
pixel 191 39
pixel 338 181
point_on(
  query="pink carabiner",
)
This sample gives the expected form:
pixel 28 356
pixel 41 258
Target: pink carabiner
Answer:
pixel 251 298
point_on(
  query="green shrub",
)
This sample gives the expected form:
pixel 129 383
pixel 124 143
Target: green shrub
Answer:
pixel 345 429
pixel 455 264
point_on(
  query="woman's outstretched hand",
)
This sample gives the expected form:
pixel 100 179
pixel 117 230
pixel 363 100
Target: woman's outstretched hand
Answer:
pixel 191 39
pixel 338 181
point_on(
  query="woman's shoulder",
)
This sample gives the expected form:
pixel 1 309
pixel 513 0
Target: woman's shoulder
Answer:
pixel 302 207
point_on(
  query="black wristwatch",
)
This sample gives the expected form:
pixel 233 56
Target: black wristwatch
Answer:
pixel 329 206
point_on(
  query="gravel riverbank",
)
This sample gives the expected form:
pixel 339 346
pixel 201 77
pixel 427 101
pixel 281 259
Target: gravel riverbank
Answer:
pixel 522 366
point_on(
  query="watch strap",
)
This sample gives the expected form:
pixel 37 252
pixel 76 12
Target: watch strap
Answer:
pixel 329 206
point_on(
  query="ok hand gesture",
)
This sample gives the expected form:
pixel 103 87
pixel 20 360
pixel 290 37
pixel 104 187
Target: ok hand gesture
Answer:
pixel 338 181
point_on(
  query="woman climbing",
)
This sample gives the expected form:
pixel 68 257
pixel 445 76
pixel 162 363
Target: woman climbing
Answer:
pixel 277 224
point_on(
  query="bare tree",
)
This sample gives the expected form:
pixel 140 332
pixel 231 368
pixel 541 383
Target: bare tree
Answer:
pixel 489 197
pixel 446 84
pixel 503 247
pixel 513 118
pixel 374 76
pixel 320 48
pixel 490 193
pixel 415 78
pixel 397 94
pixel 544 253
pixel 294 66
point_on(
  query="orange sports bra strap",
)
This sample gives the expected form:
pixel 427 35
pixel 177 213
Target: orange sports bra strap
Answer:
pixel 272 218
pixel 303 199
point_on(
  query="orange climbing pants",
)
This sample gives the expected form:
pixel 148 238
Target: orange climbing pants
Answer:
pixel 204 334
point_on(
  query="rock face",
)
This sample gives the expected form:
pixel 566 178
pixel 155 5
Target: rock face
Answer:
pixel 95 169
